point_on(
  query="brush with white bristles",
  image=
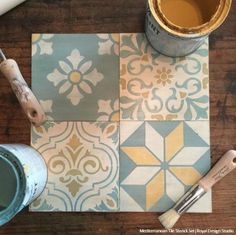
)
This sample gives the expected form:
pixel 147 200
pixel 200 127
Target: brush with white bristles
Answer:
pixel 224 166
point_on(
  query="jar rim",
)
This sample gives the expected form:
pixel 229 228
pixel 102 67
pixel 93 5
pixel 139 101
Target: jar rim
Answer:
pixel 16 204
pixel 193 32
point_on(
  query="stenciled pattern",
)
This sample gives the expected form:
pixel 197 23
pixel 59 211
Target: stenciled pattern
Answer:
pixel 75 71
pixel 127 129
pixel 42 44
pixel 83 166
pixel 108 44
pixel 78 76
pixel 108 110
pixel 160 161
pixel 156 87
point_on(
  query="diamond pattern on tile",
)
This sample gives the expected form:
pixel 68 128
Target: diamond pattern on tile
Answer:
pixel 156 87
pixel 83 166
pixel 159 161
pixel 77 76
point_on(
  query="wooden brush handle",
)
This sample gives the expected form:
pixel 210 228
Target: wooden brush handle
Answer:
pixel 28 101
pixel 6 5
pixel 223 167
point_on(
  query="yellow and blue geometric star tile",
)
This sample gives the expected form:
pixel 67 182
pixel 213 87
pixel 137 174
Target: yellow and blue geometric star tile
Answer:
pixel 160 161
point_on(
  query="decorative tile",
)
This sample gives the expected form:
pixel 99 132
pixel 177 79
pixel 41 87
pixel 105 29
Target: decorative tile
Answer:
pixel 42 44
pixel 156 87
pixel 78 74
pixel 160 161
pixel 160 111
pixel 83 166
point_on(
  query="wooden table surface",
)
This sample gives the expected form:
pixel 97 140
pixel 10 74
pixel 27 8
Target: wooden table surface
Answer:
pixel 102 16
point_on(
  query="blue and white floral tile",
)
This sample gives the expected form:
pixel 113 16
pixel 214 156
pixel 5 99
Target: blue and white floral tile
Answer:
pixel 83 166
pixel 78 75
pixel 157 87
pixel 160 161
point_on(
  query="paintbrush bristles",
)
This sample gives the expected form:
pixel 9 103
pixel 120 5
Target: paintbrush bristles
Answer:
pixel 169 218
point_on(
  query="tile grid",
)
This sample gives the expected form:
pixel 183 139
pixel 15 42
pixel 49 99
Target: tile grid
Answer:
pixel 151 199
pixel 144 74
pixel 82 155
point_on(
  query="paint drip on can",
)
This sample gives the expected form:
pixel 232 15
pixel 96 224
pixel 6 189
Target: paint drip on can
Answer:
pixel 178 27
pixel 23 176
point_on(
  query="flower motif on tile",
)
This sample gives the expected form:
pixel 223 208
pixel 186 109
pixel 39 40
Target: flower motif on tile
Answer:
pixel 108 44
pixel 82 160
pixel 42 44
pixel 185 97
pixel 164 76
pixel 145 99
pixel 108 110
pixel 161 80
pixel 135 47
pixel 76 77
pixel 159 160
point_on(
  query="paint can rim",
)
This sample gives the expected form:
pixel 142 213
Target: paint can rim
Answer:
pixel 195 32
pixel 16 204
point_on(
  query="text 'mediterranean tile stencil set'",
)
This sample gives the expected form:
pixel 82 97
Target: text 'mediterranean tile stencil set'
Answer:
pixel 127 129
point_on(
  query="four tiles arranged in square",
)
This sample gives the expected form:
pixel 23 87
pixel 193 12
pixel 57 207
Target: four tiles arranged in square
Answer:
pixel 127 129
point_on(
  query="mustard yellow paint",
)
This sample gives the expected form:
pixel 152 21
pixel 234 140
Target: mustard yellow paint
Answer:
pixel 141 156
pixel 75 77
pixel 182 94
pixel 116 37
pixel 110 129
pixel 189 13
pixel 145 94
pixel 74 142
pixel 174 141
pixel 115 116
pixel 35 37
pixel 145 58
pixel 188 175
pixel 154 190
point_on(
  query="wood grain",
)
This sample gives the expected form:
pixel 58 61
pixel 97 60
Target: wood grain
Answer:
pixel 80 16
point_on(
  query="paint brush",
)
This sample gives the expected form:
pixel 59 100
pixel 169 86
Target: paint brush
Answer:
pixel 6 5
pixel 28 101
pixel 224 166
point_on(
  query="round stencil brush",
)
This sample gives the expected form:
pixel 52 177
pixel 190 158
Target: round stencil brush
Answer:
pixel 224 166
pixel 28 101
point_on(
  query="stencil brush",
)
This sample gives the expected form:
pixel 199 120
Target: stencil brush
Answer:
pixel 224 166
pixel 28 101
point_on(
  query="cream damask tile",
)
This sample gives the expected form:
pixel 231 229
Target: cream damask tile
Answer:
pixel 78 74
pixel 157 87
pixel 83 166
pixel 160 161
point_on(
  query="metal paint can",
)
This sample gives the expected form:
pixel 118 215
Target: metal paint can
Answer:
pixel 174 40
pixel 23 177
